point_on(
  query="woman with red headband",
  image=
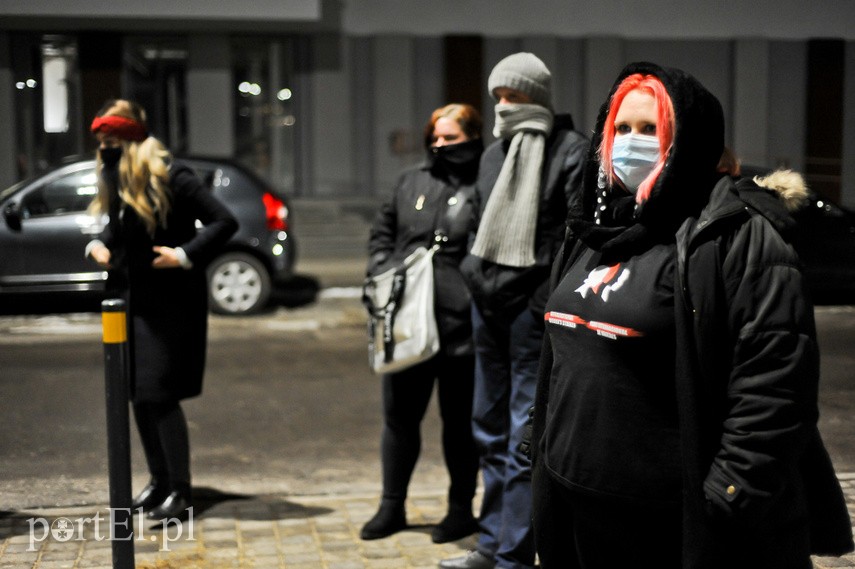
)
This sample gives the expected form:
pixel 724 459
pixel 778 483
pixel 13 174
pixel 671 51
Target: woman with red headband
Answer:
pixel 156 261
pixel 675 423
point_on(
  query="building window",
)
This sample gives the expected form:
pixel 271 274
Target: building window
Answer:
pixel 47 101
pixel 155 70
pixel 264 99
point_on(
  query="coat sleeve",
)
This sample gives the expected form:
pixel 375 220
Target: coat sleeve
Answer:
pixel 107 236
pixel 384 230
pixel 200 202
pixel 770 404
pixel 574 165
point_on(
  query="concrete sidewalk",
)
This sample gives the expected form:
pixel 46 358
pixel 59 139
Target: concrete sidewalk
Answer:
pixel 235 531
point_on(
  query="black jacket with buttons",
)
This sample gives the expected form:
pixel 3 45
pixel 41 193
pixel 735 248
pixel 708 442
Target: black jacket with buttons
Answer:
pixel 758 481
pixel 426 199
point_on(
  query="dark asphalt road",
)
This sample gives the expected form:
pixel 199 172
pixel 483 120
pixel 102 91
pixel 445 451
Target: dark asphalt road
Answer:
pixel 289 406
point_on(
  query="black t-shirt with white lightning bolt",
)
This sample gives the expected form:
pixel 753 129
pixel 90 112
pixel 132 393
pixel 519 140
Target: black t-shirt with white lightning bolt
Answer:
pixel 611 420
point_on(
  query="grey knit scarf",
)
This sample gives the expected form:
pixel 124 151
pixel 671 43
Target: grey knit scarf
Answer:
pixel 507 229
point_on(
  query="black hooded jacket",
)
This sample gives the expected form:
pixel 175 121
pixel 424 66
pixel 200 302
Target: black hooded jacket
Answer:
pixel 758 487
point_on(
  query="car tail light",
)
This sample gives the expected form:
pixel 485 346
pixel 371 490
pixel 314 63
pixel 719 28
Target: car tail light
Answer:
pixel 276 212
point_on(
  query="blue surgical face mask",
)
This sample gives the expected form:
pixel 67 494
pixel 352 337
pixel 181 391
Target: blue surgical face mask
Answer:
pixel 634 156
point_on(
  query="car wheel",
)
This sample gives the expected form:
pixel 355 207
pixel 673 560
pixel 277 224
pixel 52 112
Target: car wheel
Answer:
pixel 238 283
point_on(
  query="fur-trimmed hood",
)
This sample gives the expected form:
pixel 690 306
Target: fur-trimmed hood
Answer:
pixel 789 186
pixel 776 196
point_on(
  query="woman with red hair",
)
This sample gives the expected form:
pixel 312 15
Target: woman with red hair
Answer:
pixel 676 409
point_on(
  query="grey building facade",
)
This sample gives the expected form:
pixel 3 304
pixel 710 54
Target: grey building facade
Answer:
pixel 327 98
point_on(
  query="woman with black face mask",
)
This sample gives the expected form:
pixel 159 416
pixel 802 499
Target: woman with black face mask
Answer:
pixel 432 203
pixel 156 261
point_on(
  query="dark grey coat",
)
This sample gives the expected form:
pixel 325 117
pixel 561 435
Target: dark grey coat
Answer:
pixel 508 289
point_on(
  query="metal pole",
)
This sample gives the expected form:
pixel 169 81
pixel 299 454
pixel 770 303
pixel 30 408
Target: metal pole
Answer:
pixel 116 374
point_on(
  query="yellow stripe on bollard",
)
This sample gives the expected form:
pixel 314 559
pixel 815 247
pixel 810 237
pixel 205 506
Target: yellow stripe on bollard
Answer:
pixel 115 327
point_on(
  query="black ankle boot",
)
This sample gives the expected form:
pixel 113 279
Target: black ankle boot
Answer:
pixel 175 505
pixel 389 519
pixel 153 494
pixel 457 524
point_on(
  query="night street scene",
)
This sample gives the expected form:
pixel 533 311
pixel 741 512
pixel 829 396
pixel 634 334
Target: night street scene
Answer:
pixel 637 225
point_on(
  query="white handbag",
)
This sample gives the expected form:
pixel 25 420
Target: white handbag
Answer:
pixel 402 328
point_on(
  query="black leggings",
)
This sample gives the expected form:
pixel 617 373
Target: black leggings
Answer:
pixel 405 399
pixel 163 431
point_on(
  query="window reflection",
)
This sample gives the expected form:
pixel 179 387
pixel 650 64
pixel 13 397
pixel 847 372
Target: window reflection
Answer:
pixel 264 108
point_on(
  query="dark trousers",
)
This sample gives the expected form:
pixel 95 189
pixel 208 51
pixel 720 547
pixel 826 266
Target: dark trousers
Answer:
pixel 574 530
pixel 405 399
pixel 507 355
pixel 163 432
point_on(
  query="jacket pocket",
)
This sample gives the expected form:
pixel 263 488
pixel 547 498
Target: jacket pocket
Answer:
pixel 723 494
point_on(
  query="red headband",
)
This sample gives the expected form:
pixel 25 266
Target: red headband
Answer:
pixel 120 127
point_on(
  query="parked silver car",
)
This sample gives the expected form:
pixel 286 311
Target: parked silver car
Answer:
pixel 46 227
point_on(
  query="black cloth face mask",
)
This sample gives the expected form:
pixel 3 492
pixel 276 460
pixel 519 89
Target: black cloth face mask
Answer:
pixel 110 156
pixel 110 167
pixel 458 154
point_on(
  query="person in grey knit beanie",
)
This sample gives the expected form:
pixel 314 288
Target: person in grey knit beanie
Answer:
pixel 514 200
pixel 527 179
pixel 526 73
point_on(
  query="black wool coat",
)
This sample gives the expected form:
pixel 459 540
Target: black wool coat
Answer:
pixel 167 308
pixel 426 199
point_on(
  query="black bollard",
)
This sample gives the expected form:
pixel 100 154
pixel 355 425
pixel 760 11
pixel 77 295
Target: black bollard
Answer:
pixel 116 370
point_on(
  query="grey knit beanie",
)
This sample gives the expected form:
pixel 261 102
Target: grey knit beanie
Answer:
pixel 526 73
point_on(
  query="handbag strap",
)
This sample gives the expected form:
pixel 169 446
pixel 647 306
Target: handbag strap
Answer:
pixel 390 311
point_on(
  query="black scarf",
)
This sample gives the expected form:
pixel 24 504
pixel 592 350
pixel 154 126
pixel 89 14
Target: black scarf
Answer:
pixel 457 162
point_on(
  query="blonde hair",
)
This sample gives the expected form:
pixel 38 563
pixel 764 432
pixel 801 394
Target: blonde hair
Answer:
pixel 143 171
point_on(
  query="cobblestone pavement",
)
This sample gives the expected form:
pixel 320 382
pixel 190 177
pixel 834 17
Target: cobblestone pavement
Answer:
pixel 287 532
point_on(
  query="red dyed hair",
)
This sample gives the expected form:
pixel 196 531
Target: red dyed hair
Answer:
pixel 665 123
